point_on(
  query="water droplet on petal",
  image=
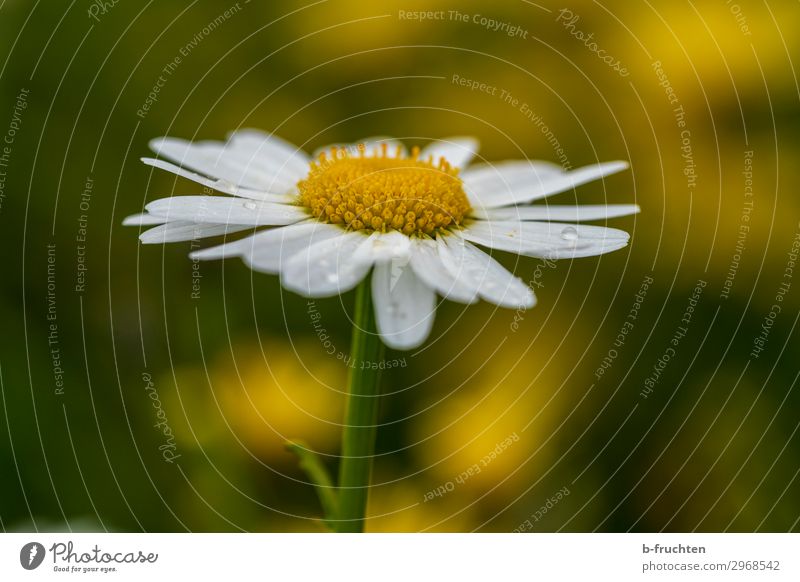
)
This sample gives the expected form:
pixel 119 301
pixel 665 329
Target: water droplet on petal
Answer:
pixel 250 205
pixel 225 186
pixel 569 233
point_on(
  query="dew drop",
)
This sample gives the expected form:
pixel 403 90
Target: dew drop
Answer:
pixel 250 205
pixel 225 186
pixel 569 233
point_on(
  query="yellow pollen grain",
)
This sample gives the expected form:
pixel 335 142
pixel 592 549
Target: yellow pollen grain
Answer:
pixel 382 193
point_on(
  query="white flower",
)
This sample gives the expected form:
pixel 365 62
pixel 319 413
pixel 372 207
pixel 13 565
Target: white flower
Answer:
pixel 413 220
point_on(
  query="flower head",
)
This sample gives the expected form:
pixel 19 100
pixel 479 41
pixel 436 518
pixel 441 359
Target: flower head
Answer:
pixel 413 220
pixel 381 192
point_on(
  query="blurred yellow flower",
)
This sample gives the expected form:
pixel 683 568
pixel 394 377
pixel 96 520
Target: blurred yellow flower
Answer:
pixel 284 393
pixel 261 398
pixel 399 507
pixel 487 431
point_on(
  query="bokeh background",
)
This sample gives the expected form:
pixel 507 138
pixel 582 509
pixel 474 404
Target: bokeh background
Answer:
pixel 102 339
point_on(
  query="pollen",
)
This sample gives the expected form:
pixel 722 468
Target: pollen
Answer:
pixel 380 193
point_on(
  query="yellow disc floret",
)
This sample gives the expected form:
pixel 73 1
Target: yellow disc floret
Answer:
pixel 381 193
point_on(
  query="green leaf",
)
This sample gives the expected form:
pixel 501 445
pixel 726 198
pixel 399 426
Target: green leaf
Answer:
pixel 318 474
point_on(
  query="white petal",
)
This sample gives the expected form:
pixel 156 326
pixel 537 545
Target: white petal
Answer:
pixel 328 267
pixel 270 149
pixel 232 162
pixel 484 183
pixel 554 212
pixel 482 274
pixel 551 240
pixel 508 191
pixel 429 268
pixel 458 151
pixel 143 219
pixel 219 185
pixel 219 210
pixel 390 246
pixel 509 172
pixel 180 230
pixel 404 306
pixel 266 251
pixel 373 147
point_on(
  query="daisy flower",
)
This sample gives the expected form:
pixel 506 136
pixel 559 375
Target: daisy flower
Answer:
pixel 412 221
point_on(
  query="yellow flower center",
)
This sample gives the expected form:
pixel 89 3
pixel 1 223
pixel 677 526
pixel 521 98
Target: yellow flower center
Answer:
pixel 383 193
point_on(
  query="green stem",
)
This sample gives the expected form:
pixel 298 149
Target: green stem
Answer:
pixel 361 415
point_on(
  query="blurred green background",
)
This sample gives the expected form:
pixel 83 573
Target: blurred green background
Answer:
pixel 239 369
